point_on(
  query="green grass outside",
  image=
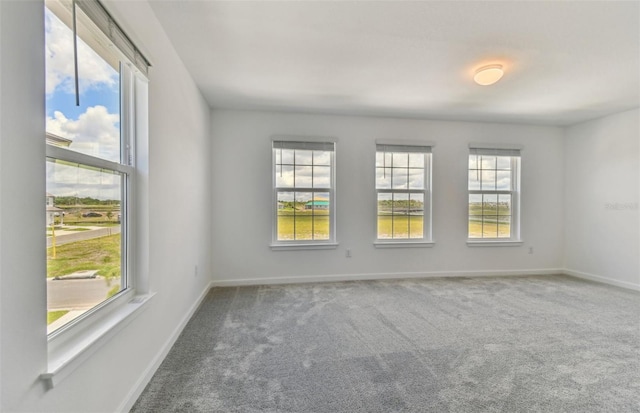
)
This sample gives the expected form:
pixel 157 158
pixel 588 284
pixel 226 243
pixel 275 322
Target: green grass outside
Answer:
pixel 102 254
pixel 489 229
pixel 400 226
pixel 303 225
pixel 54 315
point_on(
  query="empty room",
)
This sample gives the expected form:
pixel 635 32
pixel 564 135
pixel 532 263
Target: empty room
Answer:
pixel 319 206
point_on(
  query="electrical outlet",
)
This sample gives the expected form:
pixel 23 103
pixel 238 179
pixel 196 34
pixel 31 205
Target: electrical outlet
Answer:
pixel 348 254
pixel 195 271
pixel 530 250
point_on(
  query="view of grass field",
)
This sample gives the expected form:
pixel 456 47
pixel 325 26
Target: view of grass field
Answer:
pixel 400 226
pixel 54 315
pixel 102 254
pixel 294 224
pixel 490 220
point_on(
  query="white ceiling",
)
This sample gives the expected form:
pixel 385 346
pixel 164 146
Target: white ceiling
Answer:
pixel 566 61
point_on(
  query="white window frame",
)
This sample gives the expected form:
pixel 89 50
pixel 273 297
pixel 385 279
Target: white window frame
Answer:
pixel 513 151
pixel 73 343
pixel 425 148
pixel 305 143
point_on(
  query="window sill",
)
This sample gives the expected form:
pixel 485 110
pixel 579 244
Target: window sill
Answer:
pixel 78 346
pixel 492 243
pixel 293 247
pixel 404 244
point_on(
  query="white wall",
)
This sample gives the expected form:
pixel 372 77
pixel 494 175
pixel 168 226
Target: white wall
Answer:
pixel 23 299
pixel 178 215
pixel 243 215
pixel 602 174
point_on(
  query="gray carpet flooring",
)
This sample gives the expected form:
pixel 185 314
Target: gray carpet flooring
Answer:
pixel 498 344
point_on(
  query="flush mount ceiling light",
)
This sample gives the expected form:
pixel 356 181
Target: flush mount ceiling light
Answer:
pixel 488 75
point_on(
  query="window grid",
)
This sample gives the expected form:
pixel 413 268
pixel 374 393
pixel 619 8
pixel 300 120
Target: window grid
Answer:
pixel 491 199
pixel 408 202
pixel 301 194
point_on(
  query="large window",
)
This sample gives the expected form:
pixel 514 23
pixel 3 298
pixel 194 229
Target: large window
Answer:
pixel 304 182
pixel 494 194
pixel 90 92
pixel 403 182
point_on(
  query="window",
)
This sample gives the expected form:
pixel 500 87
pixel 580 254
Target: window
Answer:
pixel 494 194
pixel 90 168
pixel 304 196
pixel 403 193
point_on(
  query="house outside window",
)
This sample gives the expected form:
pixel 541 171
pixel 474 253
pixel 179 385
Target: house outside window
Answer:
pixel 304 193
pixel 493 194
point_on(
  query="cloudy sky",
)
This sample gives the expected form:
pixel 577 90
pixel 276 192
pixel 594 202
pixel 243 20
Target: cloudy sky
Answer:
pixel 94 126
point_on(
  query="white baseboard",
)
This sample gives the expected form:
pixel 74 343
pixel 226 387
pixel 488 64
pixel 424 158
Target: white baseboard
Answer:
pixel 378 276
pixel 601 279
pixel 142 382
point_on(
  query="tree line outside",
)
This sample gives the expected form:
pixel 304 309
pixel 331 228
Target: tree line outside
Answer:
pixel 486 220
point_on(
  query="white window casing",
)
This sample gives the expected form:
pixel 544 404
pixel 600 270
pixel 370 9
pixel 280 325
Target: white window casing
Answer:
pixel 390 192
pixel 304 198
pixel 74 342
pixel 488 163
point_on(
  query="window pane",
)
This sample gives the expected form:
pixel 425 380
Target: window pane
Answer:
pixel 303 157
pixel 490 226
pixel 473 162
pixel 286 215
pixel 322 158
pixel 504 204
pixel 488 162
pixel 383 178
pixel 83 216
pixel 416 204
pixel 490 204
pixel 400 204
pixel 304 216
pixel 287 156
pixel 504 227
pixel 321 227
pixel 503 180
pixel 385 211
pixel 303 176
pixel 321 176
pixel 321 203
pixel 416 160
pixel 284 177
pixel 416 178
pixel 385 204
pixel 504 162
pixel 400 226
pixel 475 204
pixel 385 224
pixel 93 128
pixel 475 226
pixel 416 229
pixel 400 160
pixel 383 159
pixel 399 178
pixel 416 215
pixel 488 180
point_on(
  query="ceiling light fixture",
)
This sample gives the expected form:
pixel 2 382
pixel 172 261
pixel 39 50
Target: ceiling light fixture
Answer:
pixel 488 75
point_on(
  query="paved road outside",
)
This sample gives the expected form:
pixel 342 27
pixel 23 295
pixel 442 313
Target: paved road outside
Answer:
pixel 76 294
pixel 95 232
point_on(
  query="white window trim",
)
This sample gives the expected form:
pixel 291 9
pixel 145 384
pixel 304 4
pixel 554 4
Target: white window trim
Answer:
pixel 70 345
pixel 427 226
pixel 516 164
pixel 289 245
